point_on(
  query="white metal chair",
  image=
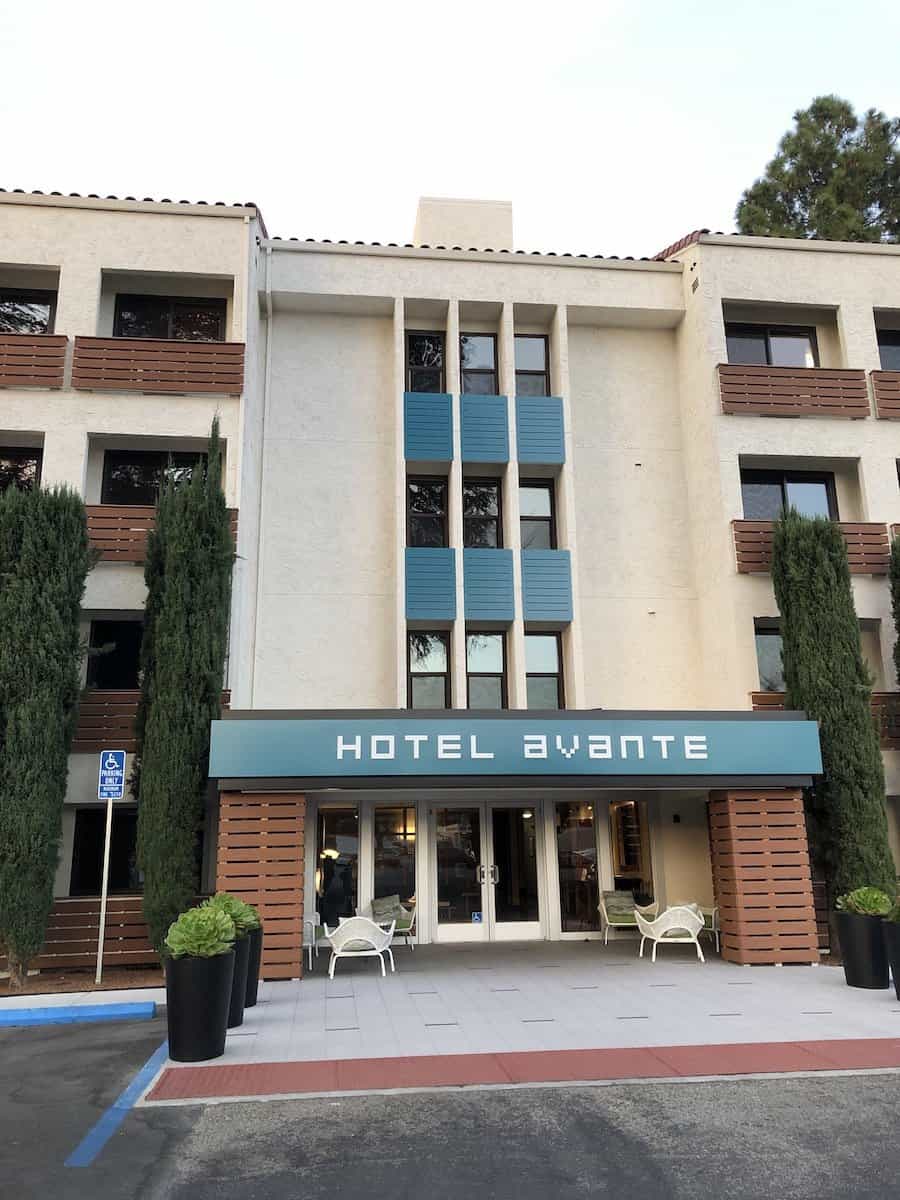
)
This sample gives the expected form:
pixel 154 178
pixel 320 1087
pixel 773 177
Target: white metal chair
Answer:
pixel 678 924
pixel 313 937
pixel 710 915
pixel 358 937
pixel 617 911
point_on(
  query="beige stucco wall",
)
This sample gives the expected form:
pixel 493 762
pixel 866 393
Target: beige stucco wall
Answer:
pixel 682 867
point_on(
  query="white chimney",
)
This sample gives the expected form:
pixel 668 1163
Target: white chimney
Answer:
pixel 469 224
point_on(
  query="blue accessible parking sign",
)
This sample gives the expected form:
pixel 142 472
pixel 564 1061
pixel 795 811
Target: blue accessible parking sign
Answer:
pixel 111 781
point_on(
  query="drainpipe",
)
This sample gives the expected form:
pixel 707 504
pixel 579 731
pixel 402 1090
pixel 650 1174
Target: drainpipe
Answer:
pixel 267 378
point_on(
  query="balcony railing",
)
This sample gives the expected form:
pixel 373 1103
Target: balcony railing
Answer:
pixel 793 391
pixel 886 386
pixel 157 365
pixel 32 360
pixel 868 547
pixel 119 532
pixel 885 710
pixel 106 720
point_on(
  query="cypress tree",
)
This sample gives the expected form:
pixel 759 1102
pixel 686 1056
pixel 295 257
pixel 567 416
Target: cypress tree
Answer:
pixel 188 575
pixel 895 599
pixel 826 675
pixel 44 560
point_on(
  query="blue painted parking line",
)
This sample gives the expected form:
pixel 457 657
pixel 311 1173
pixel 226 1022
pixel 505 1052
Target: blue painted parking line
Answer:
pixel 94 1141
pixel 69 1014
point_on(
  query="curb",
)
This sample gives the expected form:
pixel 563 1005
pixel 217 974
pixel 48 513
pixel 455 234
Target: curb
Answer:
pixel 76 1013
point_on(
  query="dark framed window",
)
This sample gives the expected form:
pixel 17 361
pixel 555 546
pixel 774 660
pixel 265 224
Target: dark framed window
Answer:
pixel 478 363
pixel 766 494
pixel 337 864
pixel 395 852
pixel 486 669
pixel 768 654
pixel 27 311
pixel 889 349
pixel 20 467
pixel 772 345
pixel 543 671
pixel 134 476
pixel 482 517
pixel 425 362
pixel 87 852
pixel 537 514
pixel 428 678
pixel 426 512
pixel 532 364
pixel 173 318
pixel 114 657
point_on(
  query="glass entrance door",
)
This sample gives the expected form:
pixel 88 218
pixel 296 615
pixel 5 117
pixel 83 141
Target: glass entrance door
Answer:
pixel 487 873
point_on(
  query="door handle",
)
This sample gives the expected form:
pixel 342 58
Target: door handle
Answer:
pixel 480 874
pixel 495 874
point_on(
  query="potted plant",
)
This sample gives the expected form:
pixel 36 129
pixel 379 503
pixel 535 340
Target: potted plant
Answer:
pixel 891 928
pixel 199 960
pixel 859 933
pixel 255 959
pixel 243 917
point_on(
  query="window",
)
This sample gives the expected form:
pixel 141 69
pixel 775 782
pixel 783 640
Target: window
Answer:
pixel 631 849
pixel 114 657
pixel 429 670
pixel 766 494
pixel 888 348
pixel 478 363
pixel 482 525
pixel 87 852
pixel 134 476
pixel 532 365
pixel 543 673
pixel 425 362
pixel 771 345
pixel 20 468
pixel 27 312
pixel 537 517
pixel 486 670
pixel 170 318
pixel 337 864
pixel 426 512
pixel 395 853
pixel 576 853
pixel 768 655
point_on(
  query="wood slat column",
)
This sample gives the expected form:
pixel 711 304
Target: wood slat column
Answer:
pixel 260 858
pixel 761 876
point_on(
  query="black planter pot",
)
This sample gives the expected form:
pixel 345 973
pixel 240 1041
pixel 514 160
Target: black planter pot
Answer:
pixel 239 982
pixel 256 941
pixel 198 992
pixel 863 950
pixel 891 930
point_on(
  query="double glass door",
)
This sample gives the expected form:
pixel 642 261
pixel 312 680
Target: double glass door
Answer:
pixel 487 879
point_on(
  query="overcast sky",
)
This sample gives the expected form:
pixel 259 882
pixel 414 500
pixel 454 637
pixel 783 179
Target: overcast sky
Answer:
pixel 614 126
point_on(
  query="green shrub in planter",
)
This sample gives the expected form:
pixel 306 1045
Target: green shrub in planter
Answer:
pixel 245 919
pixel 891 929
pixel 244 916
pixel 199 964
pixel 859 922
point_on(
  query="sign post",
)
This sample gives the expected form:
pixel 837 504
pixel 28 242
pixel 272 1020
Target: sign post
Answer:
pixel 110 787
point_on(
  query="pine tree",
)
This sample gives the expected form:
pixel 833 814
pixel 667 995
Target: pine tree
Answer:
pixel 44 560
pixel 826 676
pixel 835 176
pixel 188 575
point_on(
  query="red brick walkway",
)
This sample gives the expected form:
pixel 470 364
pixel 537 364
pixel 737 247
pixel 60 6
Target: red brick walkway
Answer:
pixel 540 1066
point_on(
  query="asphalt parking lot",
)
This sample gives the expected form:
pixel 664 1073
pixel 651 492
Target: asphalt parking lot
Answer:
pixel 828 1138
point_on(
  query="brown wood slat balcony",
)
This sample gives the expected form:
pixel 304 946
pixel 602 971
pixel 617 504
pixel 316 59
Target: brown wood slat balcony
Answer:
pixel 106 720
pixel 157 365
pixel 32 360
pixel 793 391
pixel 885 710
pixel 119 532
pixel 886 386
pixel 868 547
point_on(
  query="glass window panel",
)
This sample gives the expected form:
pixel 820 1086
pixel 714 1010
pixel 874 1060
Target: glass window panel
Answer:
pixel 576 851
pixel 426 531
pixel 485 692
pixel 763 501
pixel 142 317
pixel 427 653
pixel 395 853
pixel 536 535
pixel 481 499
pixel 531 353
pixel 425 350
pixel 515 864
pixel 888 345
pixel 477 350
pixel 631 850
pixel 534 501
pixel 425 380
pixel 479 383
pixel 429 691
pixel 791 350
pixel 768 659
pixel 542 692
pixel 114 658
pixel 24 313
pixel 484 652
pixel 198 321
pixel 747 347
pixel 541 653
pixel 19 468
pixel 458 853
pixel 481 532
pixel 531 385
pixel 133 476
pixel 809 498
pixel 337 864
